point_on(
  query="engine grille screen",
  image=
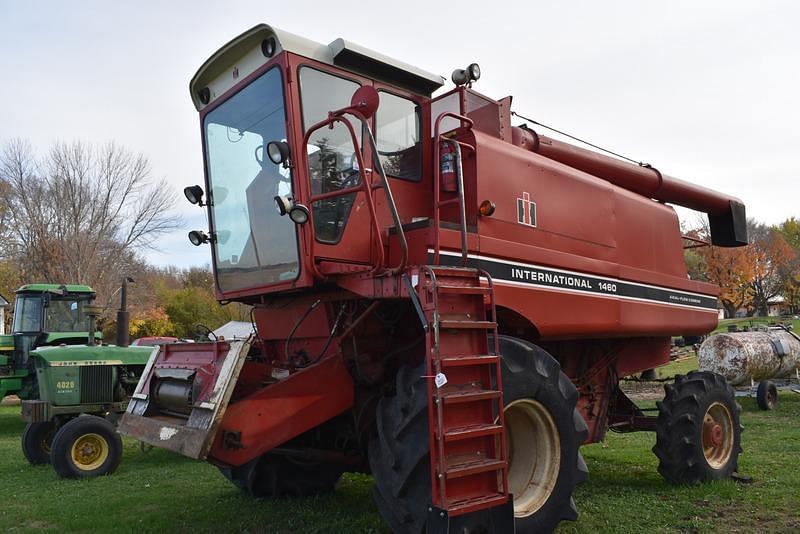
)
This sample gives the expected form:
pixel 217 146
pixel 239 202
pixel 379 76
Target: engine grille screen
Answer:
pixel 96 384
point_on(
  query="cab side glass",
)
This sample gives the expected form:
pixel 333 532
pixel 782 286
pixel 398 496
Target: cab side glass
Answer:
pixel 398 137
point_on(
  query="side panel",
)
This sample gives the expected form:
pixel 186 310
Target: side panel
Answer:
pixel 282 411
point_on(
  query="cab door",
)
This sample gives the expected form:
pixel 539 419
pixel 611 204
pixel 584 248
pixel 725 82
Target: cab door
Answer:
pixel 342 226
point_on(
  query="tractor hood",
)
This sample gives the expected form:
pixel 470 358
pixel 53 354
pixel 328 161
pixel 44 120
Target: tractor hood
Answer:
pixel 78 355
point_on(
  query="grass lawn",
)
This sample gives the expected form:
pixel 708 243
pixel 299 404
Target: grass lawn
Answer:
pixel 158 491
pixel 752 321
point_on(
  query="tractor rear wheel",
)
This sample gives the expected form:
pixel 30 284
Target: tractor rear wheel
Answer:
pixel 272 475
pixel 36 441
pixel 86 446
pixel 544 432
pixel 698 435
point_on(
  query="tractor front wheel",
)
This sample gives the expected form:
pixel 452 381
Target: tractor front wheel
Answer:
pixel 544 431
pixel 271 475
pixel 698 435
pixel 87 446
pixel 36 441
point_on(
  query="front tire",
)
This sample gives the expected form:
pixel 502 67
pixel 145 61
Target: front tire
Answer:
pixel 544 433
pixel 36 441
pixel 87 446
pixel 698 435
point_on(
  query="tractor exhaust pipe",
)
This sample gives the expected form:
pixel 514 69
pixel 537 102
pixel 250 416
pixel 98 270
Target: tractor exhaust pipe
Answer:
pixel 726 214
pixel 123 316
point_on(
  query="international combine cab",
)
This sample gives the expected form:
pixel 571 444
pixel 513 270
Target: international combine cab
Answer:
pixel 440 298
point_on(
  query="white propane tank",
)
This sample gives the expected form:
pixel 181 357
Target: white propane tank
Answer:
pixel 740 356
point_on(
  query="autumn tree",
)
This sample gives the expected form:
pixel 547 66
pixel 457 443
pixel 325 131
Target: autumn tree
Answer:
pixel 770 258
pixel 81 214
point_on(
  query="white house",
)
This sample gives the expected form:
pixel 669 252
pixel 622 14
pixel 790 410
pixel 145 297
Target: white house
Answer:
pixel 3 308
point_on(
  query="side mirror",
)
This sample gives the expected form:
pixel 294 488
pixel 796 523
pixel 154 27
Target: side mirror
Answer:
pixel 365 100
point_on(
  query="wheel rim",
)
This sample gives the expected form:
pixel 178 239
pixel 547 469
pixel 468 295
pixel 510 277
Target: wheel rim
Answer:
pixel 534 454
pixel 89 452
pixel 717 435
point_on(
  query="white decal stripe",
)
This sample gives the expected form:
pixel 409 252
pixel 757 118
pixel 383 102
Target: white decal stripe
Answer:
pixel 572 273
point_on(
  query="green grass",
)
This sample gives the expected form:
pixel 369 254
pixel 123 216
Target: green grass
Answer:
pixel 158 491
pixel 752 321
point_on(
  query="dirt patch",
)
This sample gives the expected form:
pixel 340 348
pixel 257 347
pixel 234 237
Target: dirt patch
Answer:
pixel 642 391
pixel 11 400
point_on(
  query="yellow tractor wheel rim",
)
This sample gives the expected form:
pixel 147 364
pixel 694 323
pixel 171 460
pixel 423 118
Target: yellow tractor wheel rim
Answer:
pixel 89 452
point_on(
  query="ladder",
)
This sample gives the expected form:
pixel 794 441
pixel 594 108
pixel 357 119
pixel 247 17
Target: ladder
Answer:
pixel 469 468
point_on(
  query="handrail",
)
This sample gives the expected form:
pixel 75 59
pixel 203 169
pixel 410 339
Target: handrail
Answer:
pixel 389 203
pixel 437 202
pixel 365 186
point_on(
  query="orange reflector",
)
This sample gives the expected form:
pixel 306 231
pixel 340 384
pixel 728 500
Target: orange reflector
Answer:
pixel 487 208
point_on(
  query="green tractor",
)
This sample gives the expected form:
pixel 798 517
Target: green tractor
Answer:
pixel 73 388
pixel 44 315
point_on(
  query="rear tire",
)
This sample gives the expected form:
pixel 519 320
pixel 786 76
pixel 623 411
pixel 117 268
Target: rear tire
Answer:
pixel 86 446
pixel 767 395
pixel 534 390
pixel 271 475
pixel 698 435
pixel 36 441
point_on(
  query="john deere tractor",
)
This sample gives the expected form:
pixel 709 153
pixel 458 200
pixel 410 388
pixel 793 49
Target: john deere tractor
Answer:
pixel 72 386
pixel 44 315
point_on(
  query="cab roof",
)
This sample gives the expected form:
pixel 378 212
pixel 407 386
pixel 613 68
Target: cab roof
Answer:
pixel 55 288
pixel 244 55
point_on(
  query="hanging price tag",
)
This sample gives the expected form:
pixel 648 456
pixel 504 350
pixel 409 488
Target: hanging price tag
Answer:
pixel 440 380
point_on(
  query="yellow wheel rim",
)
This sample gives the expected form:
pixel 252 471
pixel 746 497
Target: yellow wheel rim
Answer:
pixel 534 454
pixel 717 435
pixel 89 452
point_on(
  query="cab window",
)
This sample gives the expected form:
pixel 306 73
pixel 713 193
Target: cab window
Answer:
pixel 398 137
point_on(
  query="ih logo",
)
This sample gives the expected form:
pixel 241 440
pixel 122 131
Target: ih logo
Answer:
pixel 526 210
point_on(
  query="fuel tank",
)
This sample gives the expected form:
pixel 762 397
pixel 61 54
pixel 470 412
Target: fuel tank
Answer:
pixel 760 355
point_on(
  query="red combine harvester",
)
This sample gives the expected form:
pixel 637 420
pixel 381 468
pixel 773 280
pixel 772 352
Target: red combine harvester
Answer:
pixel 440 298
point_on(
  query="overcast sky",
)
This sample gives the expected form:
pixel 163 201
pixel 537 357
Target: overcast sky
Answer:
pixel 705 91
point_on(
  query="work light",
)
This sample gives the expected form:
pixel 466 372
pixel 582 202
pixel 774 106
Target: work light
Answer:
pixel 194 194
pixel 198 237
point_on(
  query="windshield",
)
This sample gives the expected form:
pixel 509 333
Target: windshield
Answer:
pixel 253 244
pixel 60 314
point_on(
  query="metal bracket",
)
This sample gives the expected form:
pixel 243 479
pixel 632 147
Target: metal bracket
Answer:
pixel 415 301
pixel 495 520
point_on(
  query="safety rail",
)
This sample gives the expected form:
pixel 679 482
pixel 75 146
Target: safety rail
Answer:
pixel 367 187
pixel 437 202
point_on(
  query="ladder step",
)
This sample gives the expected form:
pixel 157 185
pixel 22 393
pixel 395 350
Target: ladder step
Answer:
pixel 462 290
pixel 476 359
pixel 472 431
pixel 476 503
pixel 458 324
pixel 464 465
pixel 455 395
pixel 455 271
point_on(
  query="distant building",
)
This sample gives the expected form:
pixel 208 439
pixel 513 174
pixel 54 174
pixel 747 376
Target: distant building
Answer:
pixel 776 306
pixel 3 308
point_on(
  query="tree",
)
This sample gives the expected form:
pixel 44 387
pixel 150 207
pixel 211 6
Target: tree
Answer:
pixel 770 258
pixel 731 270
pixel 81 214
